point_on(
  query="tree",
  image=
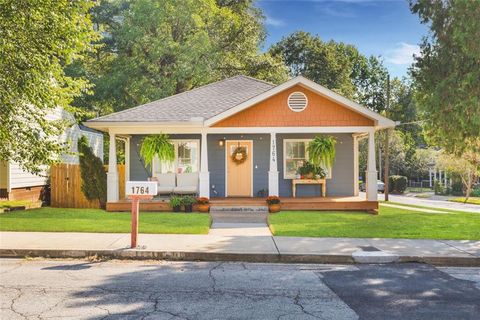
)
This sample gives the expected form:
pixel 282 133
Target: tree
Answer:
pixel 38 39
pixel 155 49
pixel 94 177
pixel 447 75
pixel 335 65
pixel 467 168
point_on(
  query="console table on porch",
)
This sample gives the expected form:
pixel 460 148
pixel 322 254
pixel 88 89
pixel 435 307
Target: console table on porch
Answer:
pixel 321 182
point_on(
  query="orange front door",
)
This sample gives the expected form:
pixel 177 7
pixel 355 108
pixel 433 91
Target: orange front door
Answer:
pixel 239 173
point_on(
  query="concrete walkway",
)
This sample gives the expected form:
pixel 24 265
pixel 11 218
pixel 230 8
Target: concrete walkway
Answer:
pixel 260 248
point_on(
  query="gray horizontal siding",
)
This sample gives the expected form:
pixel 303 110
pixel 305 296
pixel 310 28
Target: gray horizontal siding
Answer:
pixel 342 181
pixel 341 184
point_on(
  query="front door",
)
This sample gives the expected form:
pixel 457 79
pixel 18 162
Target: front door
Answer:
pixel 239 168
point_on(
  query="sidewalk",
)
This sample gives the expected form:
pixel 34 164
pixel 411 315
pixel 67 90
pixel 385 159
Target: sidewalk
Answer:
pixel 240 248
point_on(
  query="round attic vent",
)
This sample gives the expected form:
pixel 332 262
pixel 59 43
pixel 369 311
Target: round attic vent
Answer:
pixel 297 101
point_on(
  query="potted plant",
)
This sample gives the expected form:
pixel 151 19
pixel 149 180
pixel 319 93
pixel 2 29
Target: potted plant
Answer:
pixel 307 171
pixel 157 145
pixel 203 204
pixel 176 203
pixel 273 204
pixel 188 202
pixel 321 151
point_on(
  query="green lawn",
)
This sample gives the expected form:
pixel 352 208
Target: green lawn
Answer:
pixel 390 223
pixel 472 200
pixel 95 220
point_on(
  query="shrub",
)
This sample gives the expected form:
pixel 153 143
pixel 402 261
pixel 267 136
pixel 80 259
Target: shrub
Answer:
pixel 397 184
pixel 438 188
pixel 457 188
pixel 476 191
pixel 94 177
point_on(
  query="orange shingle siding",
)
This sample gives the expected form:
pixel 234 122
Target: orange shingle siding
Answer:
pixel 274 112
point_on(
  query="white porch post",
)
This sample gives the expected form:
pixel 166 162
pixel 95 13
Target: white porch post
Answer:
pixel 112 175
pixel 430 177
pixel 204 174
pixel 273 171
pixel 371 173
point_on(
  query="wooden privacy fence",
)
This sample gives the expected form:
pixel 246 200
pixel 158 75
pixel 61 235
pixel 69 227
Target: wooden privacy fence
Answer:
pixel 66 182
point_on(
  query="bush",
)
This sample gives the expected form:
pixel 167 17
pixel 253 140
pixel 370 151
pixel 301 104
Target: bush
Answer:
pixel 397 184
pixel 476 191
pixel 457 188
pixel 94 177
pixel 438 188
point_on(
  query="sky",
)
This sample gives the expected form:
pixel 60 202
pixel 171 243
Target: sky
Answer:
pixel 384 28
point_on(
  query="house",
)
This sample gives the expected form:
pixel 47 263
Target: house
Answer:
pixel 273 123
pixel 18 184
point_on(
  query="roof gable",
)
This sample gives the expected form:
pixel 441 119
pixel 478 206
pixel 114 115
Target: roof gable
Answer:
pixel 378 120
pixel 276 112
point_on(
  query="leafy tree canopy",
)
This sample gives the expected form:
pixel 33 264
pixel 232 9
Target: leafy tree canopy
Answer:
pixel 335 65
pixel 447 73
pixel 152 49
pixel 38 38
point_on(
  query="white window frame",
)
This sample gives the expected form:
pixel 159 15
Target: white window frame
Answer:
pixel 175 143
pixel 306 141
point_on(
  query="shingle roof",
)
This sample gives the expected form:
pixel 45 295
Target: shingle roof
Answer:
pixel 206 101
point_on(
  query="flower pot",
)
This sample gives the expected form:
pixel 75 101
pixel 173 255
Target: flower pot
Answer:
pixel 176 208
pixel 309 175
pixel 188 208
pixel 203 207
pixel 272 208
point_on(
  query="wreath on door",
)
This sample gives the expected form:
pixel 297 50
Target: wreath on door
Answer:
pixel 239 155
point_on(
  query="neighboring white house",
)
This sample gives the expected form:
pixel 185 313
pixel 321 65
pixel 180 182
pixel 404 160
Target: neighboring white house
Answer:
pixel 17 184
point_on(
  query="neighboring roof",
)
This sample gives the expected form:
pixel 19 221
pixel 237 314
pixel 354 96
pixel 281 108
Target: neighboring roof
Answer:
pixel 87 129
pixel 205 102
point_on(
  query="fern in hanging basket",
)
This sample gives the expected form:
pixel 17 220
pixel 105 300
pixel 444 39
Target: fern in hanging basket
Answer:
pixel 157 145
pixel 321 151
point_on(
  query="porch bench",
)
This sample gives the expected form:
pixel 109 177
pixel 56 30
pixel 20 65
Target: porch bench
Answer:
pixel 187 183
pixel 180 183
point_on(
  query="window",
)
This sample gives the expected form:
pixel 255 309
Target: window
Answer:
pixel 294 156
pixel 186 158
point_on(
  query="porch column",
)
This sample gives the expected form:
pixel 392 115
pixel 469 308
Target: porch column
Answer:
pixel 204 177
pixel 112 175
pixel 371 173
pixel 273 171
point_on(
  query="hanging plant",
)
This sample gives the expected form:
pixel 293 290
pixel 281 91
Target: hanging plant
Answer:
pixel 321 151
pixel 239 155
pixel 157 145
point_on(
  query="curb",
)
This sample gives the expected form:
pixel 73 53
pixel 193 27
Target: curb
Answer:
pixel 135 254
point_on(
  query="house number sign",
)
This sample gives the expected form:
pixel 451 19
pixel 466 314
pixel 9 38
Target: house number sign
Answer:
pixel 141 188
pixel 136 191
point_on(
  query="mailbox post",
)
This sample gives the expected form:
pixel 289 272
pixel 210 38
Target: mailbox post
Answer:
pixel 136 191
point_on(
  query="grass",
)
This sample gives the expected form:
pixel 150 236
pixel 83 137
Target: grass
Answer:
pixel 96 220
pixel 418 190
pixel 13 203
pixel 475 200
pixel 390 223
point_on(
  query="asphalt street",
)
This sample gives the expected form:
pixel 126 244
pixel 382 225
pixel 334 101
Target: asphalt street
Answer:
pixel 81 289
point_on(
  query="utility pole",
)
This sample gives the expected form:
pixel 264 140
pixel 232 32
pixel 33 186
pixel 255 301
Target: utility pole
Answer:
pixel 387 136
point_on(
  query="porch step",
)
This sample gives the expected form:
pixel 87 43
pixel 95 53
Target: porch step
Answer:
pixel 237 209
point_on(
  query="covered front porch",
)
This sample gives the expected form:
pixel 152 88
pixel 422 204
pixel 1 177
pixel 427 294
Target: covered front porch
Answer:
pixel 267 167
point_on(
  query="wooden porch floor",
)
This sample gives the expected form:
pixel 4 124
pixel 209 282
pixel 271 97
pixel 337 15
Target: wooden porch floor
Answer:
pixel 303 203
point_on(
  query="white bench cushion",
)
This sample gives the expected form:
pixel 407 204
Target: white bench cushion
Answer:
pixel 164 190
pixel 187 179
pixel 185 190
pixel 165 179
